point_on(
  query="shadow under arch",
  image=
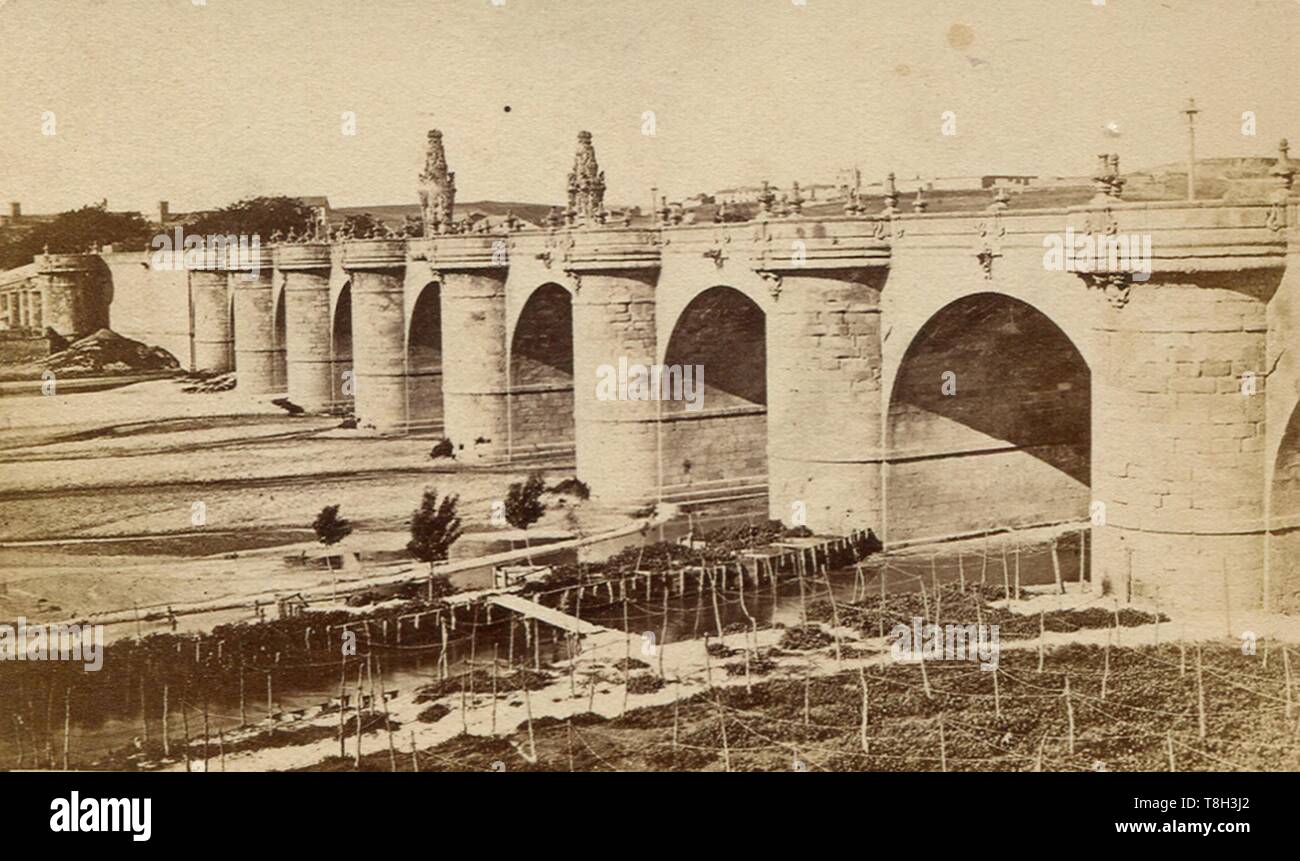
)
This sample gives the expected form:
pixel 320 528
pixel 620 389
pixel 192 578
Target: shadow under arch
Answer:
pixel 230 340
pixel 342 386
pixel 1284 521
pixel 424 361
pixel 713 432
pixel 988 424
pixel 279 355
pixel 541 374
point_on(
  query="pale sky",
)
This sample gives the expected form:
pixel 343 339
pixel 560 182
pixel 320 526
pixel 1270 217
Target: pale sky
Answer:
pixel 202 103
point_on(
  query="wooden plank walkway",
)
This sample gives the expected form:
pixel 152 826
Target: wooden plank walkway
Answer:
pixel 551 617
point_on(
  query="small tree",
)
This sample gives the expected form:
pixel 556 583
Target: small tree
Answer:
pixel 330 529
pixel 434 528
pixel 524 505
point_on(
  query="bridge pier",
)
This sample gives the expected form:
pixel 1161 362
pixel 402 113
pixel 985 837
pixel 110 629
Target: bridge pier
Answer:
pixel 616 439
pixel 256 352
pixel 214 340
pixel 377 269
pixel 472 277
pixel 309 365
pixel 824 351
pixel 1178 454
pixel 71 298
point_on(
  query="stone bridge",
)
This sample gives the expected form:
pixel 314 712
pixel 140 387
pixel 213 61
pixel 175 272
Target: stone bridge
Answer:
pixel 924 375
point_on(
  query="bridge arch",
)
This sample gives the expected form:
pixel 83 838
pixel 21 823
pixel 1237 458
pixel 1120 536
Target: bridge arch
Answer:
pixel 540 361
pixel 424 360
pixel 342 385
pixel 713 424
pixel 989 414
pixel 1284 520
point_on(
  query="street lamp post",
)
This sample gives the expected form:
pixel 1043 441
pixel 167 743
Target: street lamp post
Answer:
pixel 1191 113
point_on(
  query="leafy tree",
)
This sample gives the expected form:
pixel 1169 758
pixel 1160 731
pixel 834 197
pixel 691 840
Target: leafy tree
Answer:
pixel 255 216
pixel 360 224
pixel 524 505
pixel 73 232
pixel 434 527
pixel 330 529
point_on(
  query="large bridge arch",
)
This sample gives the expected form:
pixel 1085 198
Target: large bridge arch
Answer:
pixel 424 360
pixel 989 411
pixel 713 426
pixel 540 367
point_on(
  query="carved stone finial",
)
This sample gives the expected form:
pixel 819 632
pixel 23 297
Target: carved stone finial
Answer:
pixel 437 187
pixel 1106 179
pixel 664 210
pixel 891 195
pixel 1001 199
pixel 586 183
pixel 796 199
pixel 920 203
pixel 766 198
pixel 553 218
pixel 1283 171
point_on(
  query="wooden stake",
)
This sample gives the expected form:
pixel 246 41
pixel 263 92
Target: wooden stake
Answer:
pixel 1286 672
pixel 185 727
pixel 1040 640
pixel 1056 571
pixel 167 748
pixel 997 695
pixel 1105 671
pixel 1083 536
pixel 925 677
pixel 528 712
pixel 943 746
pixel 722 722
pixel 1069 713
pixel 663 632
pixel 866 711
pixel 1169 746
pixel 1006 574
pixel 1017 569
pixel 205 733
pixel 883 572
pixel 144 711
pixel 221 747
pixel 343 675
pixel 984 567
pixel 359 695
pixel 392 751
pixel 67 724
pixel 835 616
pixel 676 702
pixel 415 757
pixel 1200 696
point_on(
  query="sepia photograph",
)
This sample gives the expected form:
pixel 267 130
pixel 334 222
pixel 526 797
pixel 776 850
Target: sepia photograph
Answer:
pixel 591 386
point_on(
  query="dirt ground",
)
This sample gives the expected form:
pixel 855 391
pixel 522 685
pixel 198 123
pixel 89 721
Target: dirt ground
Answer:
pixel 99 493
